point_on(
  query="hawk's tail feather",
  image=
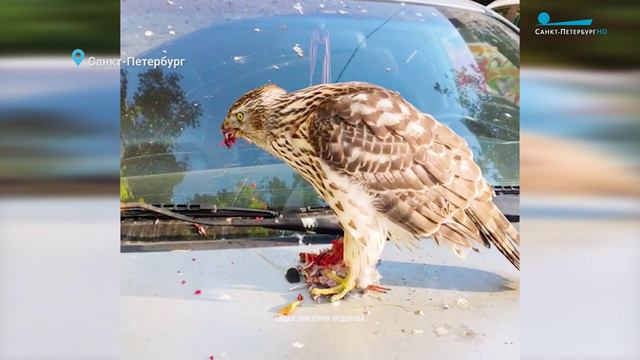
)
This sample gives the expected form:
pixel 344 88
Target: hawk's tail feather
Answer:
pixel 495 228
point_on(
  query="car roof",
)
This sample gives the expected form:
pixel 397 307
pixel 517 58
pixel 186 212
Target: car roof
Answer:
pixel 462 4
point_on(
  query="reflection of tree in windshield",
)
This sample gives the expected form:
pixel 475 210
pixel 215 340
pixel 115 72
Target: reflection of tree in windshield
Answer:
pixel 269 193
pixel 487 90
pixel 303 193
pixel 158 114
pixel 492 118
pixel 281 196
pixel 246 195
pixel 278 191
pixel 484 110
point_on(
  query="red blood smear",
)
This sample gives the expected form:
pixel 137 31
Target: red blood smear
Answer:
pixel 183 282
pixel 197 292
pixel 328 257
pixel 228 142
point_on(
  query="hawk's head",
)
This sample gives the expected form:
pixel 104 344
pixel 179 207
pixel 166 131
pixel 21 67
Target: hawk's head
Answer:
pixel 246 117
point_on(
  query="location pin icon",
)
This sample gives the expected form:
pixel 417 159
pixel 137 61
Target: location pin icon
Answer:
pixel 77 55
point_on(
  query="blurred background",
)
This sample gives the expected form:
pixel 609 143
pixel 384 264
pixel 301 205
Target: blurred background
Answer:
pixel 59 218
pixel 59 161
pixel 580 125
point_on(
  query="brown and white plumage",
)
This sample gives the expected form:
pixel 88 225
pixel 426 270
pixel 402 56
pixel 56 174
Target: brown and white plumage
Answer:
pixel 387 170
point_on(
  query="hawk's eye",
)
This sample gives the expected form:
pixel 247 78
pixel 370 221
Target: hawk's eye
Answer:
pixel 240 116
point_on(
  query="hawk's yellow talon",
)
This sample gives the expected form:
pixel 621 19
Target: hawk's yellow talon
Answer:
pixel 334 277
pixel 329 291
pixel 348 284
pixel 339 291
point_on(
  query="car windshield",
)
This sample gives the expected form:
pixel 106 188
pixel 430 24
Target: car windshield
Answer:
pixel 460 65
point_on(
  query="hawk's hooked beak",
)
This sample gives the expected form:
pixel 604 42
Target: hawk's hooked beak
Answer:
pixel 229 137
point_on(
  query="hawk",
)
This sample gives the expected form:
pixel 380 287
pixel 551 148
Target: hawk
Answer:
pixel 387 170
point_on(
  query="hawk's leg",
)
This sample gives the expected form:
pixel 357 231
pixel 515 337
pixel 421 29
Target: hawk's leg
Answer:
pixel 339 291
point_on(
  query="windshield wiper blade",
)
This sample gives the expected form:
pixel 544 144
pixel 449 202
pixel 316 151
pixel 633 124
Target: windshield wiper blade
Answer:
pixel 214 216
pixel 138 209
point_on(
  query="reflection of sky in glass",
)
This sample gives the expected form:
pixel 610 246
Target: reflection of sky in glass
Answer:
pixel 424 57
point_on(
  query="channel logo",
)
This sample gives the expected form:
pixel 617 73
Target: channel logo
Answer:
pixel 580 27
pixel 544 20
